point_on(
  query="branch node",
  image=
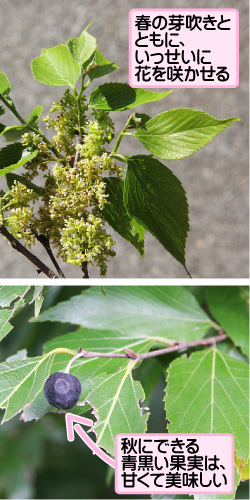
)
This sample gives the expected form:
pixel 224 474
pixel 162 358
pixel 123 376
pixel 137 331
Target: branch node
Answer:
pixel 131 354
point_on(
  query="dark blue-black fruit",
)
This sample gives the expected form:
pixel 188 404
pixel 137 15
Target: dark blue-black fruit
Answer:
pixel 62 390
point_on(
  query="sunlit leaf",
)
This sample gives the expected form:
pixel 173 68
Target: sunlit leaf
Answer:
pixel 56 67
pixel 5 86
pixel 177 133
pixel 82 47
pixel 209 393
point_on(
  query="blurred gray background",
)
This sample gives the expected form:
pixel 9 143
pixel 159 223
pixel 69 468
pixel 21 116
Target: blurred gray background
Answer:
pixel 215 178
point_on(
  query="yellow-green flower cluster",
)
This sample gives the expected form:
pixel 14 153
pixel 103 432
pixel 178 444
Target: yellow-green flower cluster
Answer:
pixel 86 241
pixel 66 122
pixel 20 219
pixel 74 194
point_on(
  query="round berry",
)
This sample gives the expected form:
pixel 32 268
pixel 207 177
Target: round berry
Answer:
pixel 62 390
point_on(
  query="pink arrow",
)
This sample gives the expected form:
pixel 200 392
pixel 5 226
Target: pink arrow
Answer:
pixel 70 419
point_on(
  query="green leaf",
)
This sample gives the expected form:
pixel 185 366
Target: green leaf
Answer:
pixel 2 111
pixel 88 368
pixel 115 213
pixel 104 66
pixel 35 115
pixel 20 381
pixel 165 312
pixel 5 86
pixel 83 47
pixel 2 127
pixel 230 307
pixel 56 67
pixel 177 133
pixel 38 304
pixel 30 185
pixel 209 393
pixel 8 294
pixel 14 156
pixel 156 198
pixel 115 399
pixel 120 96
pixel 14 133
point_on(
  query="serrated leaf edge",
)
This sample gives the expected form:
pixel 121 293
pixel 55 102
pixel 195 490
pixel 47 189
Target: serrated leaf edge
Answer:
pixel 128 372
pixel 17 387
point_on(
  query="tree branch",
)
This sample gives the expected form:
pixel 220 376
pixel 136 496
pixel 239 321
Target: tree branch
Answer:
pixel 24 251
pixel 44 240
pixel 176 346
pixel 84 268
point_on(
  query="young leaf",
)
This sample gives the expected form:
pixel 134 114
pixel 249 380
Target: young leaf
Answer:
pixel 56 67
pixel 115 399
pixel 10 178
pixel 230 307
pixel 20 381
pixel 120 96
pixel 2 127
pixel 177 133
pixel 83 47
pixel 5 86
pixel 156 198
pixel 35 115
pixel 209 393
pixel 2 111
pixel 14 156
pixel 115 213
pixel 166 312
pixel 104 66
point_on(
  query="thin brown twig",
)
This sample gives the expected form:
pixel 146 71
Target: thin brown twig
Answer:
pixel 26 253
pixel 174 347
pixel 44 240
